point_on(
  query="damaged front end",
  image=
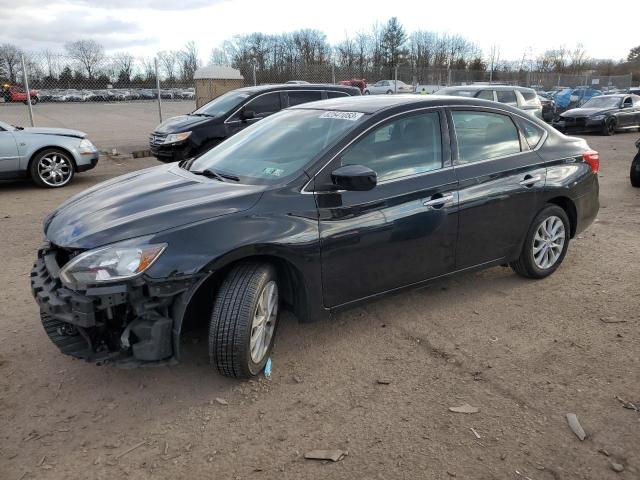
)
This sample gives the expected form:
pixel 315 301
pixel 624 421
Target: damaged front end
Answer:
pixel 122 321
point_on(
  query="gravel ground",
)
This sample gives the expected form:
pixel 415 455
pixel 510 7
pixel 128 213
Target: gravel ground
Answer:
pixel 376 381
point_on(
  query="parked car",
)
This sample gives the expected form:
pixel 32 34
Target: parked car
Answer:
pixel 190 135
pixel 548 107
pixel 360 83
pixel 520 97
pixel 317 208
pixel 388 87
pixel 634 173
pixel 296 82
pixel 49 156
pixel 14 93
pixel 605 114
pixel 573 97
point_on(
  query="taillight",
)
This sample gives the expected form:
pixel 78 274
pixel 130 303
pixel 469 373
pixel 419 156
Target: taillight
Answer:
pixel 593 159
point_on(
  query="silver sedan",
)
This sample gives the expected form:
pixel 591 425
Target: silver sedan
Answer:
pixel 49 156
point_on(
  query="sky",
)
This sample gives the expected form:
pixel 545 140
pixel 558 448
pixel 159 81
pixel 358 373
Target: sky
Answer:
pixel 145 27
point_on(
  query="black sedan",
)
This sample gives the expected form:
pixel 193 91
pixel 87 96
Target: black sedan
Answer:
pixel 605 114
pixel 317 208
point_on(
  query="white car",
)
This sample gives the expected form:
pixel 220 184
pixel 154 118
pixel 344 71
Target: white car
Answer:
pixel 388 86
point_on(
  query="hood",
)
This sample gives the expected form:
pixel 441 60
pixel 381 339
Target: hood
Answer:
pixel 65 132
pixel 586 112
pixel 181 123
pixel 142 203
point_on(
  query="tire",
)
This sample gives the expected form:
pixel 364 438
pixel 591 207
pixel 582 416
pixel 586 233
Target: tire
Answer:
pixel 34 100
pixel 61 174
pixel 532 262
pixel 367 92
pixel 609 127
pixel 245 292
pixel 634 173
pixel 389 92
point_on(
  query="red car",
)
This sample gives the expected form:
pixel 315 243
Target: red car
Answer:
pixel 14 93
pixel 355 82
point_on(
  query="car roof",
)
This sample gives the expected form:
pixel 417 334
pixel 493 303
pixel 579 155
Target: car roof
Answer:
pixel 489 86
pixel 376 103
pixel 296 86
pixel 618 95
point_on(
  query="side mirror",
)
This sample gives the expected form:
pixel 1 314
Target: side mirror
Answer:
pixel 247 114
pixel 354 178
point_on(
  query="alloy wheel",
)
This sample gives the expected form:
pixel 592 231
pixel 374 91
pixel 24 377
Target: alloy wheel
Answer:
pixel 264 321
pixel 55 169
pixel 548 242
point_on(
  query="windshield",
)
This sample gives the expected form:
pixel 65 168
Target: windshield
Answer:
pixel 223 104
pixel 602 102
pixel 278 146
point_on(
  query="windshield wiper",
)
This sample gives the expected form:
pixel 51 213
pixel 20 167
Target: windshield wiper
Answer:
pixel 201 115
pixel 208 172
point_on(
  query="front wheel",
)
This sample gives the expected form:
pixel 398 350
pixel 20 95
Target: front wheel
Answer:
pixel 546 244
pixel 243 320
pixel 367 92
pixel 52 168
pixel 634 174
pixel 609 127
pixel 389 92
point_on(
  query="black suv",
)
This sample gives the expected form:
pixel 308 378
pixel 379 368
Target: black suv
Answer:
pixel 191 135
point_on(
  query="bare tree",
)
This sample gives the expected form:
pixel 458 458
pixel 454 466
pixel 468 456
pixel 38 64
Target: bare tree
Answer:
pixel 219 56
pixel 124 66
pixel 494 59
pixel 189 62
pixel 169 64
pixel 89 53
pixel 9 61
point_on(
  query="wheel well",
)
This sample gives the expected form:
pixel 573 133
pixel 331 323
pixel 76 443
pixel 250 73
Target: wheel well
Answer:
pixel 291 283
pixel 50 147
pixel 570 209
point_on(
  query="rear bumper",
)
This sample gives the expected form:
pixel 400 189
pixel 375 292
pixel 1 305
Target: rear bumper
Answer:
pixel 119 321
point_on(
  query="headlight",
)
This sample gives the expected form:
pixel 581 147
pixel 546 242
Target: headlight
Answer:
pixel 597 117
pixel 176 137
pixel 109 264
pixel 86 146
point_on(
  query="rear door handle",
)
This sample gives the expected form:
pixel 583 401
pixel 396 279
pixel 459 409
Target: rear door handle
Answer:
pixel 438 202
pixel 530 181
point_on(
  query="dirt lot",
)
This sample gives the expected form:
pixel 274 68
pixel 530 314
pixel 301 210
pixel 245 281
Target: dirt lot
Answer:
pixel 122 125
pixel 525 352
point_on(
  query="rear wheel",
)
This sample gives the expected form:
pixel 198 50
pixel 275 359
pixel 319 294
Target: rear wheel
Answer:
pixel 634 174
pixel 52 168
pixel 243 320
pixel 389 92
pixel 609 127
pixel 367 92
pixel 546 244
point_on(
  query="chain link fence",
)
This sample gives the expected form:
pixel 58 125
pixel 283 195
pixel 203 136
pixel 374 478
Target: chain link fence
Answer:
pixel 119 100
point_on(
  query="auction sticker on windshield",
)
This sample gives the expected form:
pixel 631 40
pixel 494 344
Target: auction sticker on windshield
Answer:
pixel 353 116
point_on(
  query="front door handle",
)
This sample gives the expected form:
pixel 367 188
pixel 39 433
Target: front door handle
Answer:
pixel 530 181
pixel 438 202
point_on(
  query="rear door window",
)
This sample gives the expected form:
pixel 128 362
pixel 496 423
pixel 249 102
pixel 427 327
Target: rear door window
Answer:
pixel 627 102
pixel 334 94
pixel 303 96
pixel 485 94
pixel 265 105
pixel 484 135
pixel 507 96
pixel 532 133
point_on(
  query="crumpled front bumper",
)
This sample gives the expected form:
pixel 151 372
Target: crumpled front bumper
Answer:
pixel 128 320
